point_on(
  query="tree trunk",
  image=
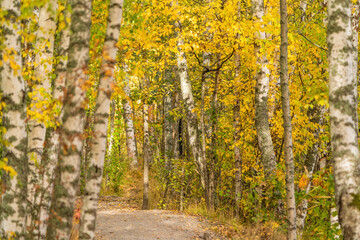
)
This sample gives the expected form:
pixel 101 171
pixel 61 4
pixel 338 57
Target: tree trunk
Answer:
pixel 204 78
pixel 261 96
pixel 147 156
pixel 51 151
pixel 355 28
pixel 168 126
pixel 86 148
pixel 68 168
pixel 12 87
pixel 112 125
pixel 37 128
pixel 343 116
pixel 213 159
pixel 103 100
pixel 237 158
pixel 129 125
pixel 176 126
pixel 285 99
pixel 192 121
pixel 316 116
pixel 167 133
pixel 109 147
pixel 237 129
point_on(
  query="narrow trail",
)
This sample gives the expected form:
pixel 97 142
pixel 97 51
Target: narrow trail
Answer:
pixel 121 221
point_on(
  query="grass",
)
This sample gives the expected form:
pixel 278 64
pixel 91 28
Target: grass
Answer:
pixel 236 229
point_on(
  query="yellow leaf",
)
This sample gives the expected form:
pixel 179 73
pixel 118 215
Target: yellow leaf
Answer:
pixel 304 181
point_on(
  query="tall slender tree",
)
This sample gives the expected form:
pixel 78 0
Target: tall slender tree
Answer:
pixel 42 90
pixel 129 125
pixel 188 98
pixel 192 121
pixel 68 168
pixel 167 130
pixel 52 142
pixel 12 88
pixel 261 94
pixel 147 157
pixel 343 116
pixel 237 125
pixel 285 99
pixel 103 100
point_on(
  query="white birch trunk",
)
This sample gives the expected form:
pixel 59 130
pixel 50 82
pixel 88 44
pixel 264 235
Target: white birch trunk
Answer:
pixel 167 133
pixel 12 87
pixel 103 100
pixel 168 140
pixel 37 130
pixel 110 137
pixel 53 142
pixel 129 126
pixel 147 158
pixel 261 96
pixel 334 221
pixel 355 26
pixel 237 130
pixel 111 132
pixel 237 155
pixel 192 122
pixel 343 116
pixel 71 135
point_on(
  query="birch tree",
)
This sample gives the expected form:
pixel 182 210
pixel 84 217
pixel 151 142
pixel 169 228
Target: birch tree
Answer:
pixel 68 168
pixel 129 125
pixel 261 94
pixel 237 126
pixel 103 100
pixel 42 90
pixel 110 145
pixel 147 156
pixel 167 130
pixel 52 143
pixel 343 116
pixel 285 99
pixel 12 86
pixel 192 121
pixel 188 98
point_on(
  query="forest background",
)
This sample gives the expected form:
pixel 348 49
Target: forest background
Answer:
pixel 219 107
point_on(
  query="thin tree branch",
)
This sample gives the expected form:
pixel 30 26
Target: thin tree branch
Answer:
pixel 210 69
pixel 316 45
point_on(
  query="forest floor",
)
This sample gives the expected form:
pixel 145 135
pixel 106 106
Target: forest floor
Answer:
pixel 118 219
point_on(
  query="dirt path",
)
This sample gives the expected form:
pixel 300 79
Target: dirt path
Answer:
pixel 117 221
